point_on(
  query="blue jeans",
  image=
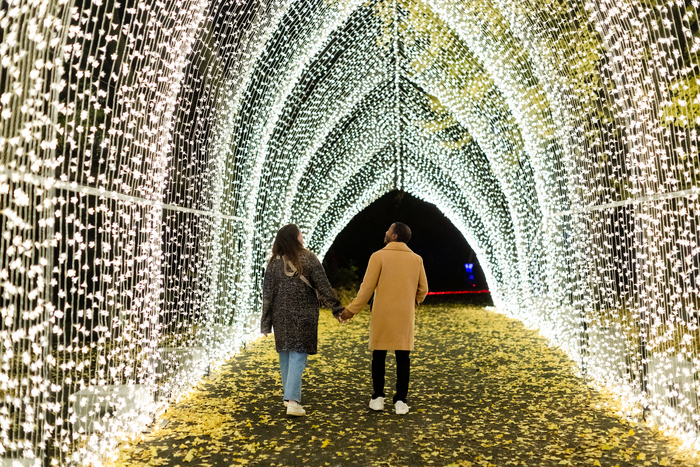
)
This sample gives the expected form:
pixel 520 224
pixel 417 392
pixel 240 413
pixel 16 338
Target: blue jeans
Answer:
pixel 292 365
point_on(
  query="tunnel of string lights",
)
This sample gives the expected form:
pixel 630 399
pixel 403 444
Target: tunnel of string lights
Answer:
pixel 151 150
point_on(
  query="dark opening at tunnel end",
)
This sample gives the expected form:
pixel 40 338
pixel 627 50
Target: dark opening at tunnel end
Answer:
pixel 450 262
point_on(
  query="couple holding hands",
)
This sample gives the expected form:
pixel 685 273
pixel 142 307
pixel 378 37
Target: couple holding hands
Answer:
pixel 295 282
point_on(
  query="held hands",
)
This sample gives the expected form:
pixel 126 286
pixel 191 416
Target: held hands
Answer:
pixel 346 315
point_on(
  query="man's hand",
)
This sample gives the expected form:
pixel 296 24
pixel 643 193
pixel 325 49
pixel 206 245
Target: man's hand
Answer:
pixel 346 314
pixel 340 318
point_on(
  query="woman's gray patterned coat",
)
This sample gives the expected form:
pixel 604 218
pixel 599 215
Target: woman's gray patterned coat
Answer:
pixel 290 307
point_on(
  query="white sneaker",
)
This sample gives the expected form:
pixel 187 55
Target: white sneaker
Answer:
pixel 295 410
pixel 401 408
pixel 377 404
pixel 286 403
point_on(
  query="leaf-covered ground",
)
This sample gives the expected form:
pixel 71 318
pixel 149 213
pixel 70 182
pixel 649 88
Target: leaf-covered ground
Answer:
pixel 484 391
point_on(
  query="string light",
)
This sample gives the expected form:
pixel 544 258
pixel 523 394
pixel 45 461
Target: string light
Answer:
pixel 151 150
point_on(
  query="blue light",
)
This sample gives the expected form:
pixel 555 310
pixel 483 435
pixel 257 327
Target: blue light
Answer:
pixel 469 267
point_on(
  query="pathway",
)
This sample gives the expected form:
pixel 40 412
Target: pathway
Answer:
pixel 484 391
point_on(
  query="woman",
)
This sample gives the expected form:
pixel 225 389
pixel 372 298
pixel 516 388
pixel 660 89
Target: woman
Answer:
pixel 290 307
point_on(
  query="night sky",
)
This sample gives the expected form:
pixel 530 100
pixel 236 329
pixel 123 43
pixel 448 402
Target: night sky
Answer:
pixel 442 247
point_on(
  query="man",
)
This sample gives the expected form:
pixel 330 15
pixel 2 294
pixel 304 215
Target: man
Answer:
pixel 396 277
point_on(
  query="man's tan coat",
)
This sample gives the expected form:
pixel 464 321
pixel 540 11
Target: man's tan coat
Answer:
pixel 396 276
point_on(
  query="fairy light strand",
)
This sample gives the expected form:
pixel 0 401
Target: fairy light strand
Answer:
pixel 150 151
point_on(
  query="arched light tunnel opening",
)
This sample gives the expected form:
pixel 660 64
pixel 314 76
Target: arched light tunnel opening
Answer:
pixel 151 150
pixel 450 263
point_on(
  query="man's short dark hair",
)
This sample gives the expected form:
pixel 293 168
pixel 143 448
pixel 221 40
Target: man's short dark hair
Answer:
pixel 402 231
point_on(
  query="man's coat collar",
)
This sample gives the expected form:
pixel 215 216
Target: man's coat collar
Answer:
pixel 400 246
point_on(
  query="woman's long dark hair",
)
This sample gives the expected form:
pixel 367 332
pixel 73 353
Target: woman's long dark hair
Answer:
pixel 287 244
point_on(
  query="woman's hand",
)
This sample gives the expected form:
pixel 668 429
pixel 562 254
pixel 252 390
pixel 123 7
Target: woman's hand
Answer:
pixel 340 318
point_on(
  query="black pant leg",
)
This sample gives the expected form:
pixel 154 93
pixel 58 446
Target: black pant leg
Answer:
pixel 403 373
pixel 378 370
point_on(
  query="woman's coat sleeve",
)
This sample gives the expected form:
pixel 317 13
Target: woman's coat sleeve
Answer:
pixel 318 278
pixel 266 320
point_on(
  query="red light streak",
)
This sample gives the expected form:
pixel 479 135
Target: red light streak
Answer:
pixel 456 292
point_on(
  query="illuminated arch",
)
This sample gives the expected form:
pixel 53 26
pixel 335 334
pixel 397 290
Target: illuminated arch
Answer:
pixel 151 150
pixel 499 150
